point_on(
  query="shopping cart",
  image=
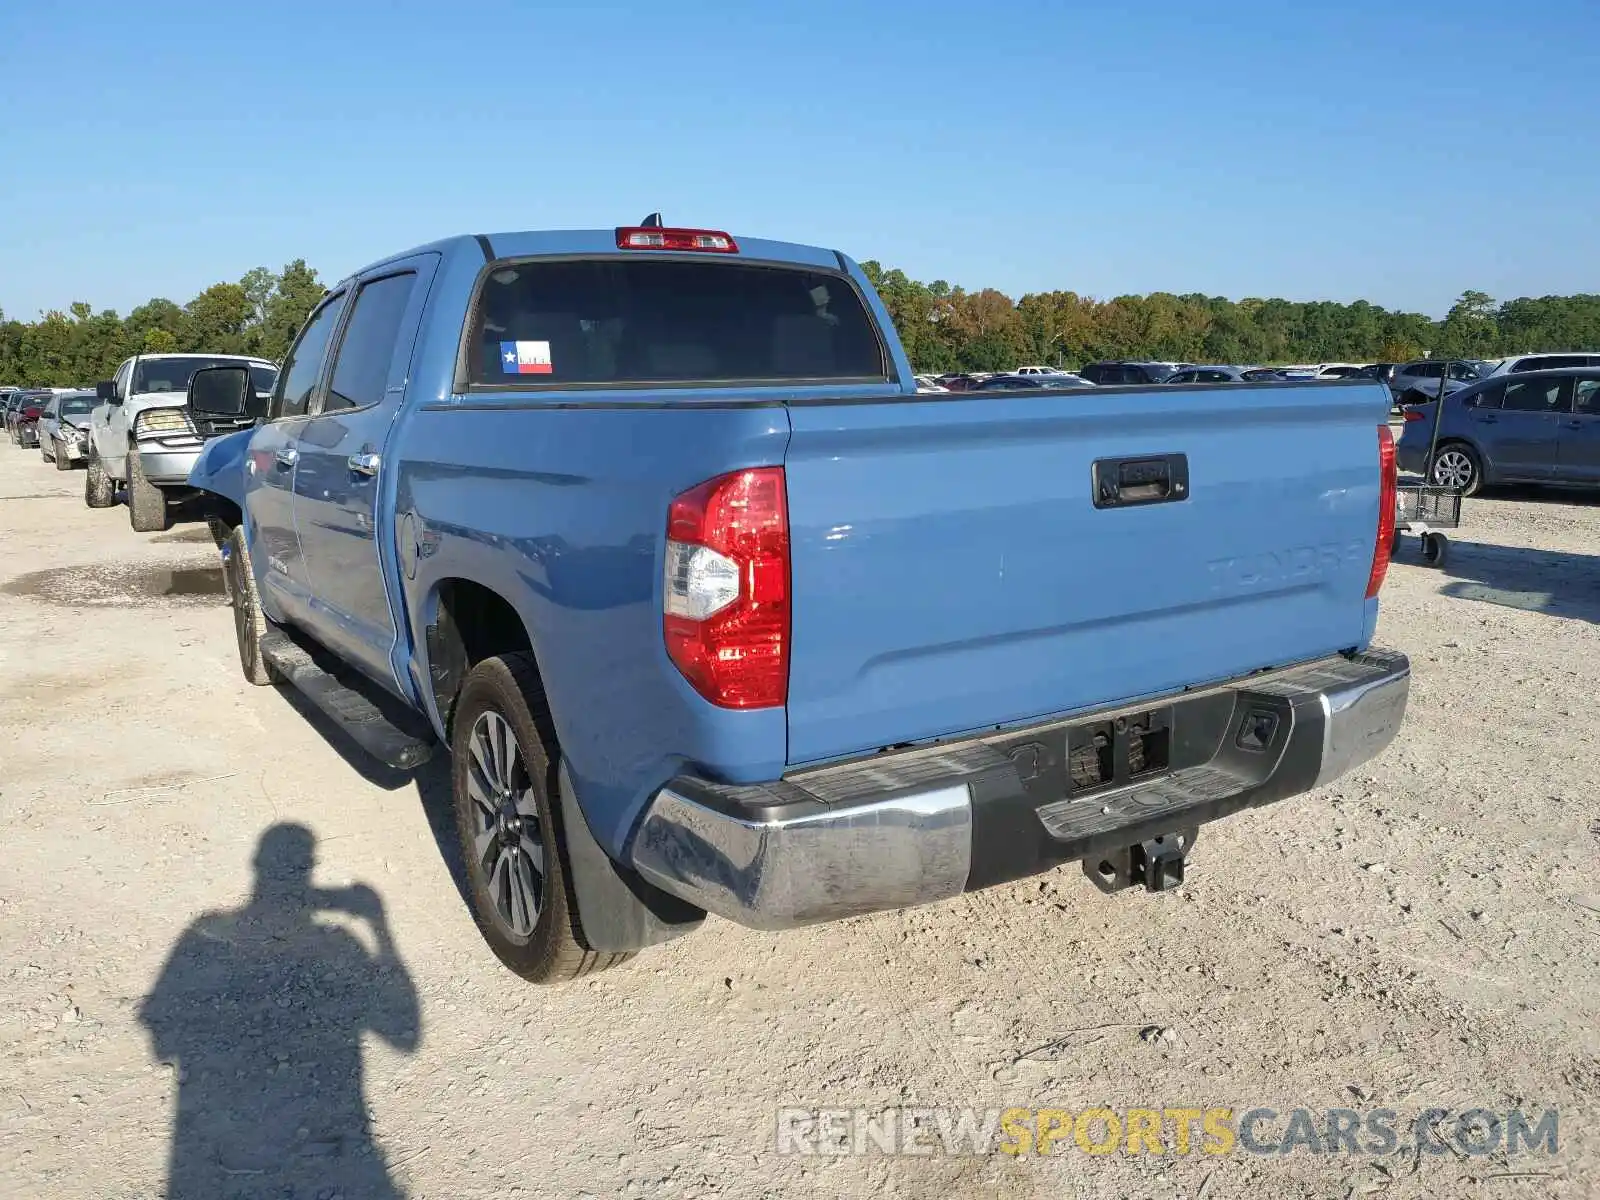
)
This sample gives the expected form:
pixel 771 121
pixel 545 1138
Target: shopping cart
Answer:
pixel 1426 509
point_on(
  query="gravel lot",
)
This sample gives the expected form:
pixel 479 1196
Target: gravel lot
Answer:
pixel 1426 933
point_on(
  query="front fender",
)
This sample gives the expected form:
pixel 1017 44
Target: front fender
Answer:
pixel 221 467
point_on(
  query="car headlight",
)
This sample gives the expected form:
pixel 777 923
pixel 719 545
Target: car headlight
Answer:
pixel 161 420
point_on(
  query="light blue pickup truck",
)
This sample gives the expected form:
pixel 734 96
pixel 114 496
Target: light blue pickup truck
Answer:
pixel 716 613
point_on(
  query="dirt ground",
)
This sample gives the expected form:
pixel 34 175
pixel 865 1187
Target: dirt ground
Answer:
pixel 1425 933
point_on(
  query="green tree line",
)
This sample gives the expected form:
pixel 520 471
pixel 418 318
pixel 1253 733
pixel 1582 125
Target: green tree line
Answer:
pixel 260 314
pixel 944 328
pixel 947 328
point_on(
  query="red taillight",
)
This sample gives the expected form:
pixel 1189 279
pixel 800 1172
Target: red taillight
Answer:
pixel 653 237
pixel 1413 414
pixel 1387 497
pixel 725 597
pixel 31 414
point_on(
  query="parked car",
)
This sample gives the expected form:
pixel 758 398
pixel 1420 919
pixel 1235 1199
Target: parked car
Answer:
pixel 1012 383
pixel 1531 427
pixel 1520 363
pixel 713 621
pixel 927 383
pixel 63 428
pixel 1120 372
pixel 147 396
pixel 1040 371
pixel 1224 374
pixel 1420 378
pixel 959 382
pixel 1382 372
pixel 18 406
pixel 24 423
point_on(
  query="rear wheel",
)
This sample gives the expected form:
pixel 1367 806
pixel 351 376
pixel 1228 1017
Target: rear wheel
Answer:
pixel 59 457
pixel 504 785
pixel 249 622
pixel 147 504
pixel 1456 465
pixel 98 490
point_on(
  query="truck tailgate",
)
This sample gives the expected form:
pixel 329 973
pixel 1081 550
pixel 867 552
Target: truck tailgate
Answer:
pixel 952 571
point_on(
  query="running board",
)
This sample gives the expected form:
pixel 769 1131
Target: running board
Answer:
pixel 361 719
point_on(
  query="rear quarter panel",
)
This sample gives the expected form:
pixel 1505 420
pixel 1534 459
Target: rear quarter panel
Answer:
pixel 562 512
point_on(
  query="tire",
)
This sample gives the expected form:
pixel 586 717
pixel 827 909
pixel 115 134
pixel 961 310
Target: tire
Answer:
pixel 98 489
pixel 543 944
pixel 249 622
pixel 62 462
pixel 147 504
pixel 1435 549
pixel 1456 464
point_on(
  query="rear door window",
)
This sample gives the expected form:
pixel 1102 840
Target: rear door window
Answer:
pixel 1428 370
pixel 1488 397
pixel 1536 395
pixel 1586 398
pixel 636 322
pixel 361 371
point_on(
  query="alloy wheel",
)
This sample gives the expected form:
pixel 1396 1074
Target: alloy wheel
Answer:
pixel 1452 468
pixel 507 843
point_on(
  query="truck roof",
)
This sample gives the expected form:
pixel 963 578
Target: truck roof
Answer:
pixel 531 243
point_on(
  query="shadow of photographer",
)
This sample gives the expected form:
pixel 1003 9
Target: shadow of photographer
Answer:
pixel 261 1010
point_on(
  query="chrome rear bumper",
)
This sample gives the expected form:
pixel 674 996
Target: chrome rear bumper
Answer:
pixel 925 825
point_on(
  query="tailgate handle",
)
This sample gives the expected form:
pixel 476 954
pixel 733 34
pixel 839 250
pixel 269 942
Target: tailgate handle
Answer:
pixel 1148 479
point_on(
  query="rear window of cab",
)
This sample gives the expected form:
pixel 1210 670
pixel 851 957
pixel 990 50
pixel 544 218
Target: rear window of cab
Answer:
pixel 664 321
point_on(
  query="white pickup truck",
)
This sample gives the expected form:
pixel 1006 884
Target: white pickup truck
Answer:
pixel 148 396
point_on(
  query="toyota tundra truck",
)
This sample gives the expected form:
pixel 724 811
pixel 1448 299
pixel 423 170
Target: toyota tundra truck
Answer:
pixel 716 613
pixel 141 437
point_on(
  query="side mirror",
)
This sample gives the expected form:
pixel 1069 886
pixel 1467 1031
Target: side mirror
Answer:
pixel 106 390
pixel 225 392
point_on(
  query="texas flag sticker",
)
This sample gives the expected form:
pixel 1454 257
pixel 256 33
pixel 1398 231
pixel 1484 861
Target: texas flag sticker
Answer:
pixel 525 358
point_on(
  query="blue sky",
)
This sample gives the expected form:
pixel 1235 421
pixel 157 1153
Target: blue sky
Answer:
pixel 1395 151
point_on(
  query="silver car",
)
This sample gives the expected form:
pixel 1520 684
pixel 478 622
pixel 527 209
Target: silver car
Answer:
pixel 63 428
pixel 1430 376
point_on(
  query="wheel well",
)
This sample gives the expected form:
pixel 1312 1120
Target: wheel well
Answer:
pixel 472 623
pixel 218 508
pixel 1459 441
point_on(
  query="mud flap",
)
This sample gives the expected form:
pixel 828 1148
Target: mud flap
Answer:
pixel 617 910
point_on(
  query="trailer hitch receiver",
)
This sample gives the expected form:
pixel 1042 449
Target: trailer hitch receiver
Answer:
pixel 1156 863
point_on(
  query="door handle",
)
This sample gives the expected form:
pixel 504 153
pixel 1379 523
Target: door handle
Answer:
pixel 1574 424
pixel 287 457
pixel 364 464
pixel 1487 420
